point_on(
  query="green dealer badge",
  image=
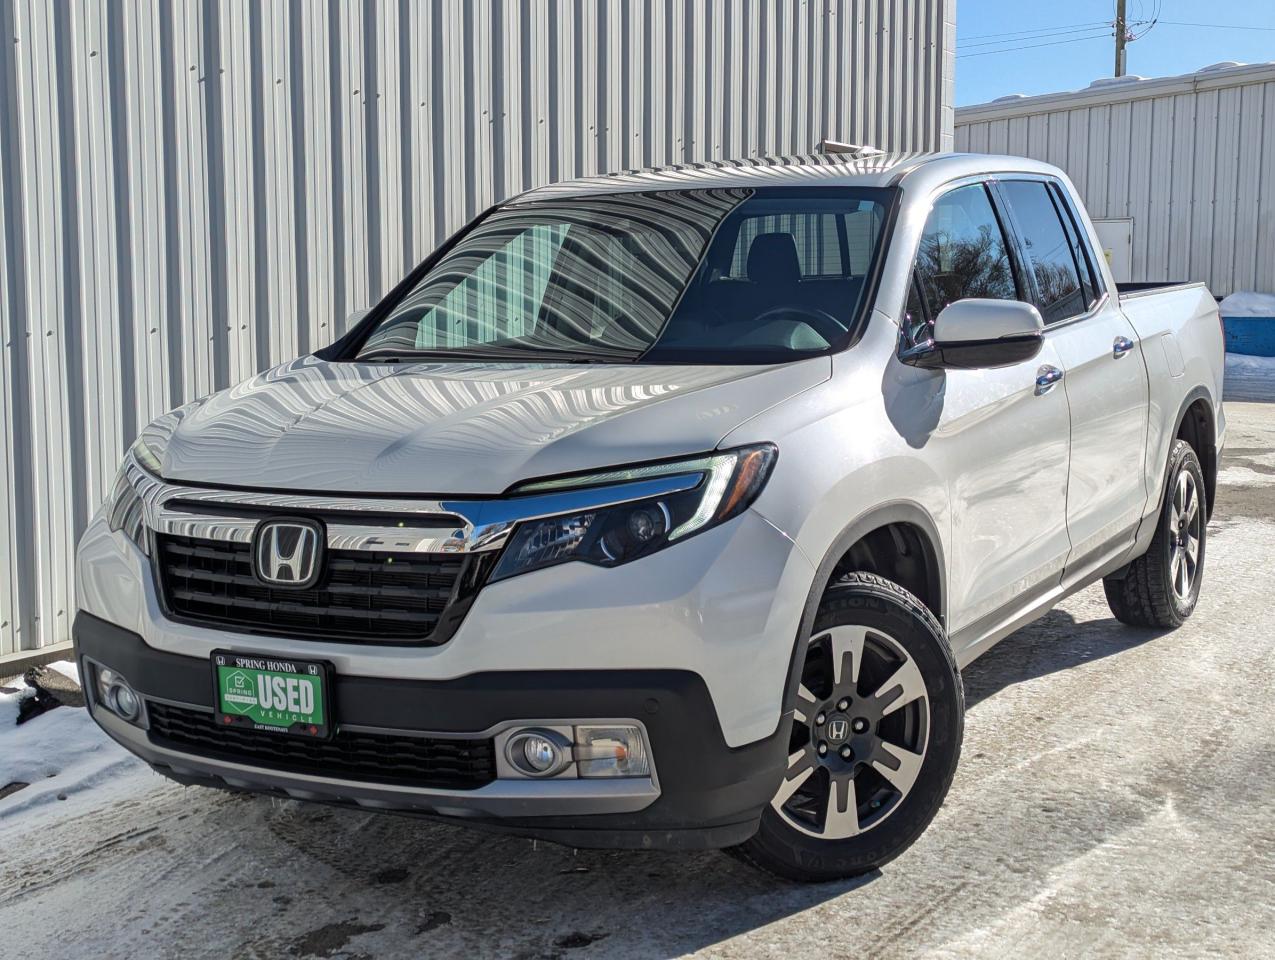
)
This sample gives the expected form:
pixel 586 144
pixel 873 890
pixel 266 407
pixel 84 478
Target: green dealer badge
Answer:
pixel 271 694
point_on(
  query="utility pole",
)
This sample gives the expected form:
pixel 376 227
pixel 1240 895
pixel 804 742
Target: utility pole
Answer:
pixel 1121 32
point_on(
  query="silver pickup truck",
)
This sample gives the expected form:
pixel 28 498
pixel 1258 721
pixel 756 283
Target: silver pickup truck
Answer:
pixel 663 510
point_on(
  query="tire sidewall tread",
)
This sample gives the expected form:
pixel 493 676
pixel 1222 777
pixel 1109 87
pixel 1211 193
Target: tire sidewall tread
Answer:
pixel 873 601
pixel 1143 596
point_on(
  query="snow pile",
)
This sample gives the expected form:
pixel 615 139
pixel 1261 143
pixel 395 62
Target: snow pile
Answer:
pixel 1248 304
pixel 59 754
pixel 1115 81
pixel 1249 378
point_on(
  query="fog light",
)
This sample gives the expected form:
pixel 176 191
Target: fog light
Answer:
pixel 611 751
pixel 114 693
pixel 124 701
pixel 538 753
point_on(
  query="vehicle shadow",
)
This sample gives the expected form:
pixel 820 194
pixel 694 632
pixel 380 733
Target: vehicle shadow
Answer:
pixel 400 886
pixel 1054 643
pixel 417 888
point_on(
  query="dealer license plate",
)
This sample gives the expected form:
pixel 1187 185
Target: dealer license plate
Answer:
pixel 272 694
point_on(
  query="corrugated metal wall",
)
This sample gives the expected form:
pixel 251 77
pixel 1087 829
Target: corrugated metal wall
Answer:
pixel 192 191
pixel 1190 159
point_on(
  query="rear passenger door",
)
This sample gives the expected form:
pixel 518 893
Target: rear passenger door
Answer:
pixel 1104 374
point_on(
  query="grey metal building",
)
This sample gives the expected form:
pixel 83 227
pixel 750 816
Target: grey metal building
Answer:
pixel 1177 172
pixel 193 190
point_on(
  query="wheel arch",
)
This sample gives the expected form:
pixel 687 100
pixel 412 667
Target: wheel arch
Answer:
pixel 892 517
pixel 1196 424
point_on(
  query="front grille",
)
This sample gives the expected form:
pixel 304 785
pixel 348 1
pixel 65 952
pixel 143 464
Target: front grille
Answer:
pixel 361 596
pixel 438 762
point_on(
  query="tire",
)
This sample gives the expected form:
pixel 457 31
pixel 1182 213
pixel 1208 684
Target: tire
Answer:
pixel 1150 592
pixel 885 639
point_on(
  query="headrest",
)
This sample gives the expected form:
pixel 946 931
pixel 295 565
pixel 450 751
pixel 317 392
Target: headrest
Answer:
pixel 772 258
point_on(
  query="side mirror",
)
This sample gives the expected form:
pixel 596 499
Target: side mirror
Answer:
pixel 974 334
pixel 353 319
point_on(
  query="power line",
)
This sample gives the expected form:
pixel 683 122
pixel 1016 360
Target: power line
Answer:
pixel 1215 26
pixel 1041 36
pixel 1015 33
pixel 1032 46
pixel 1138 36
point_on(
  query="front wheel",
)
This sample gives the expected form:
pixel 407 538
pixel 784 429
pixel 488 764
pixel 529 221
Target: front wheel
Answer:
pixel 875 737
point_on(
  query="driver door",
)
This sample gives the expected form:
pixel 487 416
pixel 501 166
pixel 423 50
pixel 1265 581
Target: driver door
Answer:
pixel 1002 440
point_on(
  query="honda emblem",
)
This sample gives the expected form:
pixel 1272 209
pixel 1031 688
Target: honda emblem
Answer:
pixel 288 552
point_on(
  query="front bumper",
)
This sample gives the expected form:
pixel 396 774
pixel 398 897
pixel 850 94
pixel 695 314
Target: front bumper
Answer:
pixel 703 792
pixel 725 605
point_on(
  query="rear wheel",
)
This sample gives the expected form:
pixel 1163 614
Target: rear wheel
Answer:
pixel 874 740
pixel 1161 587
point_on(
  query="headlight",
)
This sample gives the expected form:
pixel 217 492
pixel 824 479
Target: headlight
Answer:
pixel 608 536
pixel 126 511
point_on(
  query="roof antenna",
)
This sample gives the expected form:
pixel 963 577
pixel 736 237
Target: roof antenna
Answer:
pixel 858 149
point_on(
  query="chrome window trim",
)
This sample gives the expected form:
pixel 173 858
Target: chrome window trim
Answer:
pixel 459 526
pixel 1100 306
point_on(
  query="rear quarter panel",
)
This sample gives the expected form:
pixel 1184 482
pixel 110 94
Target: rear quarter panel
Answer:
pixel 1182 342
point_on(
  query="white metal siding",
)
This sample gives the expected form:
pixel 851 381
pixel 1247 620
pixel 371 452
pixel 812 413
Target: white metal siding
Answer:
pixel 1190 159
pixel 192 191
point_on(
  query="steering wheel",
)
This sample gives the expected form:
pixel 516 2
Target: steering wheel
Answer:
pixel 821 321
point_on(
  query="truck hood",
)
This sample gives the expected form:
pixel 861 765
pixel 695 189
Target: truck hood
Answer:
pixel 458 428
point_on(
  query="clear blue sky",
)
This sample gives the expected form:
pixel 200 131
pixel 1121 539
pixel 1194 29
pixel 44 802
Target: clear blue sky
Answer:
pixel 1166 50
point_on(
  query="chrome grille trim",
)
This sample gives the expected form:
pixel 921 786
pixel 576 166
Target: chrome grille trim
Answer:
pixel 359 597
pixel 428 525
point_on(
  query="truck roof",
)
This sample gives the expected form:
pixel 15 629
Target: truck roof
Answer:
pixel 836 169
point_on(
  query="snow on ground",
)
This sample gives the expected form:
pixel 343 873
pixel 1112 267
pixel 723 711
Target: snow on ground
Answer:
pixel 61 754
pixel 1249 378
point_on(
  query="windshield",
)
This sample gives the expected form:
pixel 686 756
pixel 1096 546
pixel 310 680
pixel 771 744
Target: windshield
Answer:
pixel 698 276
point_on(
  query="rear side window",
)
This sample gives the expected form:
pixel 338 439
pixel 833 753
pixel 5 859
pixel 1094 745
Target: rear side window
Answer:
pixel 1089 283
pixel 962 254
pixel 1050 253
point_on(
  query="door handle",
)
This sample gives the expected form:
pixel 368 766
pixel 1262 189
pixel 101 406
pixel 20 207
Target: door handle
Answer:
pixel 1047 378
pixel 1121 346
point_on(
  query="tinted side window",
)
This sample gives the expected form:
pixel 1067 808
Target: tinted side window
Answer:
pixel 1079 246
pixel 962 254
pixel 1049 253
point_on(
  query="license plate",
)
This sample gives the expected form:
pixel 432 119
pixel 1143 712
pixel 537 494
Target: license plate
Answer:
pixel 272 694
